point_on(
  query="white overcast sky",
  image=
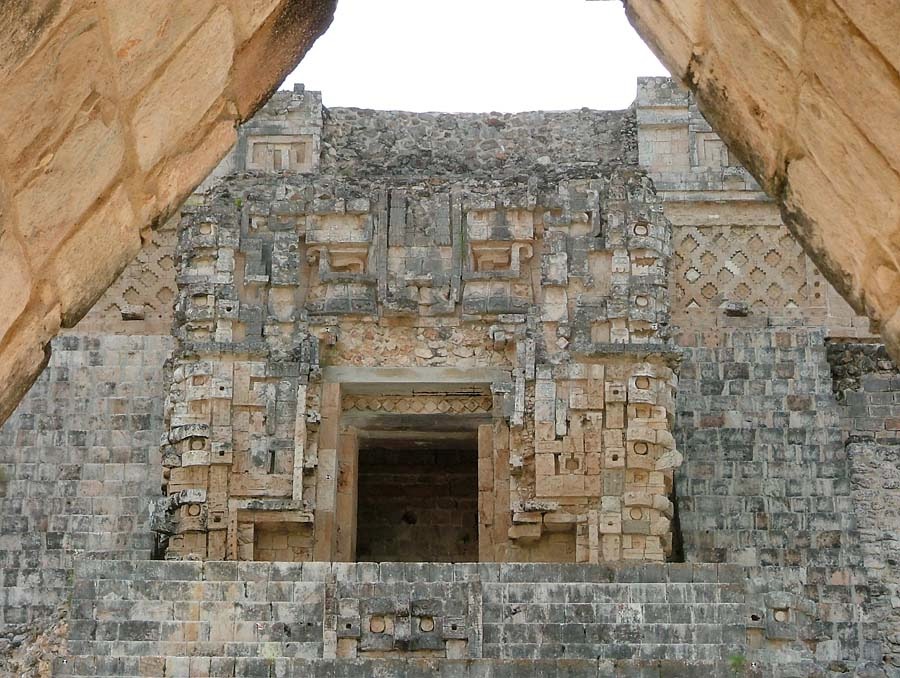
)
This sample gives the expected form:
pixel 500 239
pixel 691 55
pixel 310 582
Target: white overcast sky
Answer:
pixel 477 55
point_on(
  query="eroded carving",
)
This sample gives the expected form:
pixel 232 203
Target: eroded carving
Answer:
pixel 560 285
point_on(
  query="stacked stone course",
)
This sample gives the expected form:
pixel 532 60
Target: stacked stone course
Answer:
pixel 769 479
pixel 867 386
pixel 80 465
pixel 410 619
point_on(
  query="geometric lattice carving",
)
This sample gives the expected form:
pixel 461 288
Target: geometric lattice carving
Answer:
pixel 144 292
pixel 763 267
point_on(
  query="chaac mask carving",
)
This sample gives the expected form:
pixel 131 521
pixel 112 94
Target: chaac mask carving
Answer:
pixel 556 284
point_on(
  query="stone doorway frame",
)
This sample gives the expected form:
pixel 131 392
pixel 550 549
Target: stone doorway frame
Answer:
pixel 338 451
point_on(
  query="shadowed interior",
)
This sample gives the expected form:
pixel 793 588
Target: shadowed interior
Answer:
pixel 418 500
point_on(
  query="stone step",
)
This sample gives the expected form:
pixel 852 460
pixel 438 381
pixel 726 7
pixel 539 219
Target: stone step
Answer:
pixel 281 667
pixel 722 573
pixel 489 619
pixel 681 652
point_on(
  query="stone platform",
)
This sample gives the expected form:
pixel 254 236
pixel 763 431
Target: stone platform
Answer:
pixel 153 618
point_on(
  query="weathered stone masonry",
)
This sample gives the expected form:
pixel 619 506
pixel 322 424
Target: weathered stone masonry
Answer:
pixel 544 293
pixel 867 385
pixel 400 292
pixel 80 455
pixel 422 619
pixel 806 96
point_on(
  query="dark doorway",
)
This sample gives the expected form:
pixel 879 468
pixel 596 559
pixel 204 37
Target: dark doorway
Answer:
pixel 418 499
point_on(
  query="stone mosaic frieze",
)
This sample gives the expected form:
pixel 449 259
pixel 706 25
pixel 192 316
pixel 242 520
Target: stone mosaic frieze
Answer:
pixel 558 282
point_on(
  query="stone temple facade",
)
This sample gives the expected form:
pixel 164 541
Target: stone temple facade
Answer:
pixel 408 394
pixel 333 327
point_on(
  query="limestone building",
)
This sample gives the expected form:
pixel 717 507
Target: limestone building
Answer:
pixel 506 393
pixel 345 339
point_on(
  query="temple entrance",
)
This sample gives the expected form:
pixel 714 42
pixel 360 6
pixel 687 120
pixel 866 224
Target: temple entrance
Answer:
pixel 418 498
pixel 405 466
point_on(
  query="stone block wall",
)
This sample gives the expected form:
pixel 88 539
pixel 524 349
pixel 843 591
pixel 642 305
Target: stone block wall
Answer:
pixel 867 385
pixel 418 504
pixel 772 385
pixel 876 480
pixel 80 455
pixel 311 619
pixel 766 480
pixel 79 460
pixel 320 310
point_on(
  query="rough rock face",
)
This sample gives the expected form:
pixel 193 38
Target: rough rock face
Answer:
pixel 112 113
pixel 29 650
pixel 807 95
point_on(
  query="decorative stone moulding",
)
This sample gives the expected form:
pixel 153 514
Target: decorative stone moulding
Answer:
pixel 280 153
pixel 498 259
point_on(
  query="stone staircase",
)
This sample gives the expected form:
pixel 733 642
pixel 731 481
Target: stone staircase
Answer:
pixel 285 667
pixel 159 618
